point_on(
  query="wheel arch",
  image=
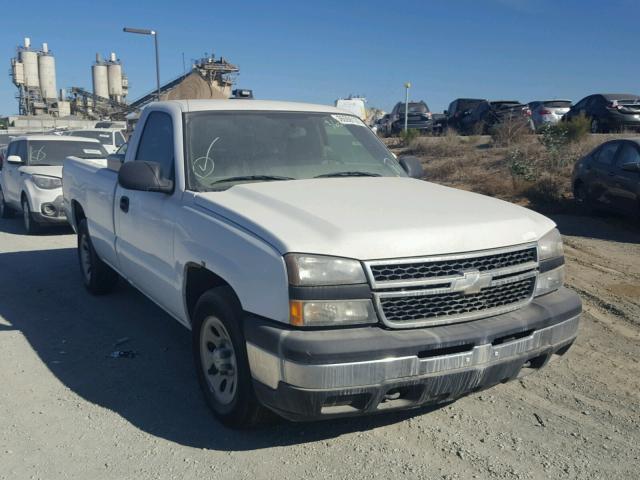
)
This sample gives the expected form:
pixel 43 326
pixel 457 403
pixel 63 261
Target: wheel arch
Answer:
pixel 198 279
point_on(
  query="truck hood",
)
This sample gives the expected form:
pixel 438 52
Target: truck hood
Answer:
pixel 373 218
pixel 52 171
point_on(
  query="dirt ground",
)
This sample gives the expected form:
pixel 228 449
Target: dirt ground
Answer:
pixel 70 410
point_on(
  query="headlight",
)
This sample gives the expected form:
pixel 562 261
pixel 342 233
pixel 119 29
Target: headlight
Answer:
pixel 551 260
pixel 316 270
pixel 46 182
pixel 322 313
pixel 550 246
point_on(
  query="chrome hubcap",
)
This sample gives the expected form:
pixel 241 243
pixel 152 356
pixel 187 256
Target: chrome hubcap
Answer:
pixel 85 258
pixel 218 359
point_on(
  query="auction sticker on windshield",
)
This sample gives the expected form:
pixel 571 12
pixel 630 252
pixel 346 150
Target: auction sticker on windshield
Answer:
pixel 348 120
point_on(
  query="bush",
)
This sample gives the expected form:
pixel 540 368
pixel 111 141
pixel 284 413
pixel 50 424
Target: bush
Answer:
pixel 510 131
pixel 521 165
pixel 555 136
pixel 408 136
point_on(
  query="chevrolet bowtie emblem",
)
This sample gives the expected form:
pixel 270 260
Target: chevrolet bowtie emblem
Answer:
pixel 472 281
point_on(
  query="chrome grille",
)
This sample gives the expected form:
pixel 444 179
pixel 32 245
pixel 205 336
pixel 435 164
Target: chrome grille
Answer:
pixel 420 307
pixel 439 290
pixel 400 272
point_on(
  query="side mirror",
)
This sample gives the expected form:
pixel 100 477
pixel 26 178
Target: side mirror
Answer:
pixel 14 160
pixel 115 161
pixel 412 165
pixel 631 167
pixel 143 176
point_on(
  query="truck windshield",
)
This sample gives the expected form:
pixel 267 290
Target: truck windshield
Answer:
pixel 53 152
pixel 225 148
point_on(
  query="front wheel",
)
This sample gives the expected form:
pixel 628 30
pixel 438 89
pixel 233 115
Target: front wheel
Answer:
pixel 99 278
pixel 220 356
pixel 30 225
pixel 5 210
pixel 581 197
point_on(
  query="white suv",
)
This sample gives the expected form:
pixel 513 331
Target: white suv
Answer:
pixel 31 176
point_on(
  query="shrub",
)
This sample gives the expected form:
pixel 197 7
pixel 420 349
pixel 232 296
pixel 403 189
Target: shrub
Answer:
pixel 521 166
pixel 510 131
pixel 408 136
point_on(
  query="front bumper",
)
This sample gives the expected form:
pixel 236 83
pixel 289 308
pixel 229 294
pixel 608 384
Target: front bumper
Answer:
pixel 306 375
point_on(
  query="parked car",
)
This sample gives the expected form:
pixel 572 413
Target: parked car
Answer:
pixel 488 114
pixel 317 277
pixel 548 112
pixel 609 177
pixel 31 177
pixel 419 117
pixel 608 112
pixel 460 109
pixel 110 138
pixel 384 125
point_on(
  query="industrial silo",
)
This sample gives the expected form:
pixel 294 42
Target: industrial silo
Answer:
pixel 47 74
pixel 100 78
pixel 115 78
pixel 29 60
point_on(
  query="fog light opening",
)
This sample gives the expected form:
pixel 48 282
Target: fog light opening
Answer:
pixel 49 210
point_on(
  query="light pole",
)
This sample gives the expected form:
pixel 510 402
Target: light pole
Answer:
pixel 407 86
pixel 144 31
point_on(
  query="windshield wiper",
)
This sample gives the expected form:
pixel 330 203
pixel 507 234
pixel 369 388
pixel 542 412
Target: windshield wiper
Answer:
pixel 348 174
pixel 252 177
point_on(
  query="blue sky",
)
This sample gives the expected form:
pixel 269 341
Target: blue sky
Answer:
pixel 319 51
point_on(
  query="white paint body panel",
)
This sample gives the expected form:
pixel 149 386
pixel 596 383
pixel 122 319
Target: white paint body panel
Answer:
pixel 241 233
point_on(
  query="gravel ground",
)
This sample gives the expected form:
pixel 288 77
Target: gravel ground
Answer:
pixel 70 410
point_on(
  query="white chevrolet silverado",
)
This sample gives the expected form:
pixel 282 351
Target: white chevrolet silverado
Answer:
pixel 317 277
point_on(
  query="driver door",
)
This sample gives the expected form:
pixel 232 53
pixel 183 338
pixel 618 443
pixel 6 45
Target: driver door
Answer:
pixel 145 221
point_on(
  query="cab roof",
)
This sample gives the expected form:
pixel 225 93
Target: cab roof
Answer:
pixel 55 138
pixel 250 105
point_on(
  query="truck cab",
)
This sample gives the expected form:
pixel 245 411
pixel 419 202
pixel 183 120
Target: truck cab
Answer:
pixel 319 275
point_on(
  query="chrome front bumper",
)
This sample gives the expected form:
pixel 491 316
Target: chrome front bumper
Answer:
pixel 270 370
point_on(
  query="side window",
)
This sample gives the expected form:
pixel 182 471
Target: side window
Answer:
pixel 21 150
pixel 607 153
pixel 627 154
pixel 156 143
pixel 119 139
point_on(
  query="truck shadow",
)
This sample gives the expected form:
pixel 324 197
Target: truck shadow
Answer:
pixel 153 383
pixel 599 226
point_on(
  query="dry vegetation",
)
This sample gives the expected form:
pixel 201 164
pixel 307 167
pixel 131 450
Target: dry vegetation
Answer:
pixel 528 169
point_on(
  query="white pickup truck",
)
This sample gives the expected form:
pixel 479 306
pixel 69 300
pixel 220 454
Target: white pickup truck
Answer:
pixel 318 279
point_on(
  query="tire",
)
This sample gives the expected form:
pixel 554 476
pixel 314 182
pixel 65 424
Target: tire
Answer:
pixel 5 210
pixel 596 127
pixel 31 226
pixel 581 197
pixel 98 277
pixel 220 355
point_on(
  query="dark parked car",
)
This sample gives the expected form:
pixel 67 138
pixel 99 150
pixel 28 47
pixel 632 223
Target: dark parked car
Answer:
pixel 487 115
pixel 419 117
pixel 608 112
pixel 609 177
pixel 458 110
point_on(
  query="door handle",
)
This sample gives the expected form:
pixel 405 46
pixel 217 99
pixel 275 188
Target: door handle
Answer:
pixel 124 204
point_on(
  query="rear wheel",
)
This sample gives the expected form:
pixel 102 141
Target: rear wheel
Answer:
pixel 30 225
pixel 220 356
pixel 5 210
pixel 99 278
